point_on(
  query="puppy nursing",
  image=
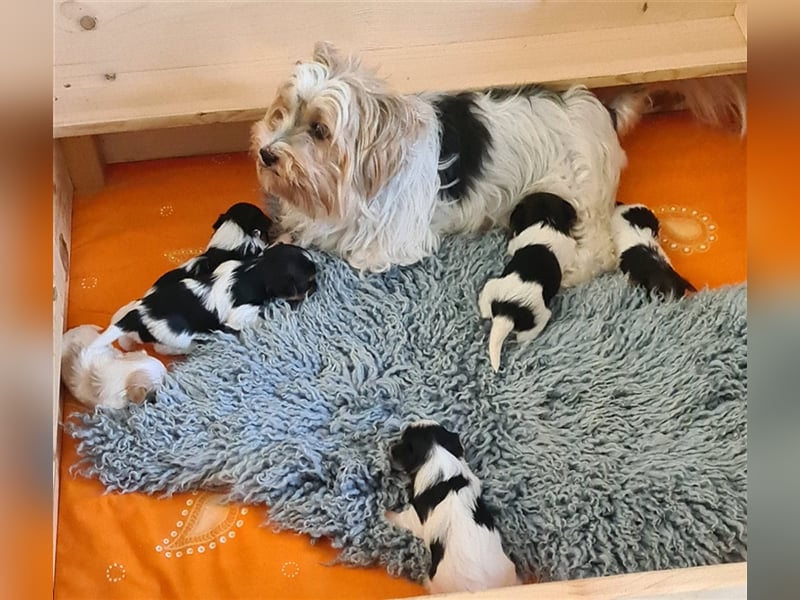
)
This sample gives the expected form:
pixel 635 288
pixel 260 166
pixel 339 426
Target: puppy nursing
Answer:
pixel 541 250
pixel 641 258
pixel 448 513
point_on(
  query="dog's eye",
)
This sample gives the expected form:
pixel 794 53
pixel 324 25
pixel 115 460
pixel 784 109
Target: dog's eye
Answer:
pixel 318 130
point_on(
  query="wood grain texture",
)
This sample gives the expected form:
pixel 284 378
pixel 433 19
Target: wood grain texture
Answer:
pixel 719 582
pixel 156 65
pixel 84 163
pixel 740 14
pixel 62 242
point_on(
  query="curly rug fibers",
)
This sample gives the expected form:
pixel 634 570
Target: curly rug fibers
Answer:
pixel 615 442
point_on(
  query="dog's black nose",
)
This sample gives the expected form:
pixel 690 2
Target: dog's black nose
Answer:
pixel 268 157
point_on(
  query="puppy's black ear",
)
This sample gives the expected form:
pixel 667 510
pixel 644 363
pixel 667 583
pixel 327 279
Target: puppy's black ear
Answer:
pixel 220 220
pixel 411 452
pixel 450 442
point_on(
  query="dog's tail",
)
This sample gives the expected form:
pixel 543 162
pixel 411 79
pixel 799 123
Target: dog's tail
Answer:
pixel 501 327
pixel 719 101
pixel 108 337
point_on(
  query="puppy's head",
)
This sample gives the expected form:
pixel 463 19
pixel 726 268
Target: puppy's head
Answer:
pixel 418 441
pixel 244 227
pixel 334 135
pixel 289 273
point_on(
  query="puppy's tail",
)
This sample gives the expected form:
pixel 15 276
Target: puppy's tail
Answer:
pixel 718 101
pixel 501 327
pixel 108 337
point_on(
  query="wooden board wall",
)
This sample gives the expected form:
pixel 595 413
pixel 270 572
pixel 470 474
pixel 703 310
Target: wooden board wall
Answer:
pixel 62 243
pixel 126 66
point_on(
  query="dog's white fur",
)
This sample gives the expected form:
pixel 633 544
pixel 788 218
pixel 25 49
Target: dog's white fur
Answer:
pixel 370 191
pixel 104 376
pixel 474 558
pixel 368 187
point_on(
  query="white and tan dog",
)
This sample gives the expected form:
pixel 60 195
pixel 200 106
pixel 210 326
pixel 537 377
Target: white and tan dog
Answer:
pixel 378 177
pixel 105 376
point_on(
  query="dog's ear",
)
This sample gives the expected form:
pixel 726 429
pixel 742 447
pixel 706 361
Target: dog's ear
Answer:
pixel 450 442
pixel 411 452
pixel 390 125
pixel 326 54
pixel 218 223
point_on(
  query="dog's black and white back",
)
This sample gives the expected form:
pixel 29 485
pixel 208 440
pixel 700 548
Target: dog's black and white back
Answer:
pixel 448 513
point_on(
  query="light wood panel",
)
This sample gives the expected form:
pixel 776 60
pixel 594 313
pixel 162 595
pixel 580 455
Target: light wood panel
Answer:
pixel 233 92
pixel 99 38
pixel 62 243
pixel 719 582
pixel 741 17
pixel 195 140
pixel 84 161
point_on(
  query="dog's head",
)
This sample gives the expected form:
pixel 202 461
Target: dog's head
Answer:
pixel 418 441
pixel 242 227
pixel 334 135
pixel 289 273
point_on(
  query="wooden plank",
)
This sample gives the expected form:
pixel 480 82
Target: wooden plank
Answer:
pixel 84 163
pixel 240 91
pixel 196 140
pixel 718 582
pixel 62 241
pixel 740 14
pixel 218 138
pixel 122 37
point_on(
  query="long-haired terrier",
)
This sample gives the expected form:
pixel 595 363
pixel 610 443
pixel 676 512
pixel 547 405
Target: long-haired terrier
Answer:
pixel 378 177
pixel 448 513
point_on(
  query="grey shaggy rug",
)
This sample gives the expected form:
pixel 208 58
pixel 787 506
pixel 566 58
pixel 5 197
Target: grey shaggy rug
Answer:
pixel 615 442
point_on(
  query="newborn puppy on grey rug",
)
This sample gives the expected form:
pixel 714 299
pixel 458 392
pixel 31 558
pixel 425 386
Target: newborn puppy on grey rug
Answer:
pixel 448 513
pixel 542 249
pixel 174 311
pixel 240 233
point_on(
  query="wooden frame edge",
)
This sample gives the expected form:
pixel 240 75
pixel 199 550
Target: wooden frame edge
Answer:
pixel 63 194
pixel 670 584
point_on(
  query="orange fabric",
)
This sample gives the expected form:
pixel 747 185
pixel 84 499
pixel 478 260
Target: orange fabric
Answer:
pixel 153 215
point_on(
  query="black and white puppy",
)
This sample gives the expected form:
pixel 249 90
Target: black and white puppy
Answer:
pixel 641 258
pixel 240 233
pixel 541 250
pixel 448 513
pixel 173 312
